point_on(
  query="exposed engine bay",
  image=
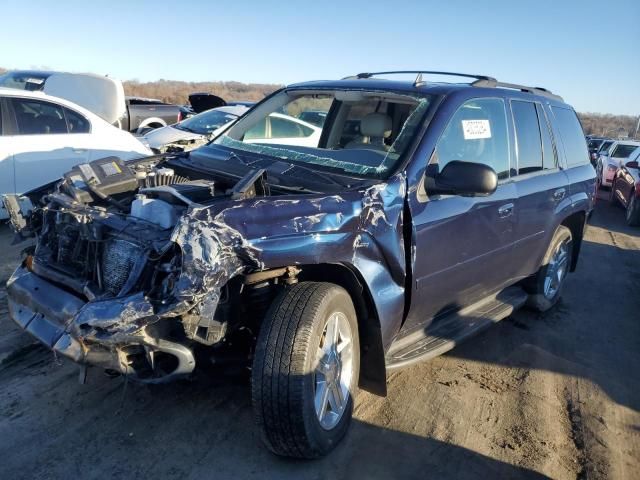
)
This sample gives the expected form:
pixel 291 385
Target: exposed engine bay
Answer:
pixel 107 241
pixel 149 267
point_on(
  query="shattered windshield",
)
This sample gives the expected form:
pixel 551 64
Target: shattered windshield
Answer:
pixel 363 133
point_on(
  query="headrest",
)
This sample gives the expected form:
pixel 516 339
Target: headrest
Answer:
pixel 375 125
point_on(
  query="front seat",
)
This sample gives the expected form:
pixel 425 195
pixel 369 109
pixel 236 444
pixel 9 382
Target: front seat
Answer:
pixel 374 128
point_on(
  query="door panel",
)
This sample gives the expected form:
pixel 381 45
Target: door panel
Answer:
pixel 43 149
pixel 463 251
pixel 463 246
pixel 541 187
pixel 41 159
pixel 539 197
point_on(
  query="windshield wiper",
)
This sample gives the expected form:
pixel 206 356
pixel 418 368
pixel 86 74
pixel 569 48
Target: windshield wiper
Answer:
pixel 323 176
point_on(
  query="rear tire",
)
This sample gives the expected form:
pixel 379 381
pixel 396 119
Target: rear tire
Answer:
pixel 545 287
pixel 633 211
pixel 302 387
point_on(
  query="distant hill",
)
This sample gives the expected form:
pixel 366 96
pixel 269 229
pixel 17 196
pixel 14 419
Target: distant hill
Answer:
pixel 605 124
pixel 178 92
pixel 173 91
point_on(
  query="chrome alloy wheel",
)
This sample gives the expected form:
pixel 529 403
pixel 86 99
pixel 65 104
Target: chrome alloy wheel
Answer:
pixel 556 270
pixel 334 371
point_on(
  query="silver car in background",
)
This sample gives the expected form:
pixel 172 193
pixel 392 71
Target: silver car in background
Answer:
pixel 610 160
pixel 194 131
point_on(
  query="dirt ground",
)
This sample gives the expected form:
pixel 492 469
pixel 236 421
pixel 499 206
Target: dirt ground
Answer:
pixel 535 396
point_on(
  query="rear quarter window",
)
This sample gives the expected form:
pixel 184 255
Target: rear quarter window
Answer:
pixel 572 136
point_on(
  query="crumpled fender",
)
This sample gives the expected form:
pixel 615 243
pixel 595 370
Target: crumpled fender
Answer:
pixel 360 229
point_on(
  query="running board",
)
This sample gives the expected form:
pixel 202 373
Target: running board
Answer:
pixel 450 331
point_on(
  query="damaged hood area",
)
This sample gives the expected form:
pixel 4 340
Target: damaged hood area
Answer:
pixel 160 238
pixel 159 138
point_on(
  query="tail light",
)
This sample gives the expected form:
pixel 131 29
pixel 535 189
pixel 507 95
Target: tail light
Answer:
pixel 179 116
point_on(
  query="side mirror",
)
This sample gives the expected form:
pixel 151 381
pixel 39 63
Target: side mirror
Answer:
pixel 632 164
pixel 467 179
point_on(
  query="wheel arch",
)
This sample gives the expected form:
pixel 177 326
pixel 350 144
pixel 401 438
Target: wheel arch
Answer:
pixel 576 223
pixel 147 122
pixel 373 375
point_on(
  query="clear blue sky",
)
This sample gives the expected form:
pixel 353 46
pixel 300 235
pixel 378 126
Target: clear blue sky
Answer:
pixel 587 51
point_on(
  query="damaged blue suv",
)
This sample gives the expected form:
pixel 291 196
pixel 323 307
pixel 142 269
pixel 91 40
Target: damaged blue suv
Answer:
pixel 320 257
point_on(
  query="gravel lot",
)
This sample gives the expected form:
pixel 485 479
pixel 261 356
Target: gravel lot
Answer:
pixel 536 396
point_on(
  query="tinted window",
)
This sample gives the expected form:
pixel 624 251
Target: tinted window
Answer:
pixel 623 150
pixel 35 117
pixel 76 122
pixel 23 80
pixel 477 133
pixel 549 154
pixel 529 145
pixel 605 146
pixel 575 145
pixel 282 128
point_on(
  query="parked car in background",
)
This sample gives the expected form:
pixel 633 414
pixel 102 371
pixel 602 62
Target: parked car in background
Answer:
pixel 321 265
pixel 101 95
pixel 609 161
pixel 594 144
pixel 278 128
pixel 194 131
pixel 41 137
pixel 626 187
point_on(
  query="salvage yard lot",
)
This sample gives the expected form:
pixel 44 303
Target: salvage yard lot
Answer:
pixel 555 395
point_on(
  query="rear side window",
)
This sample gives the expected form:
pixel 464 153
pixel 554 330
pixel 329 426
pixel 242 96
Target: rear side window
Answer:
pixel 605 146
pixel 575 145
pixel 623 150
pixel 35 117
pixel 477 133
pixel 76 123
pixel 529 145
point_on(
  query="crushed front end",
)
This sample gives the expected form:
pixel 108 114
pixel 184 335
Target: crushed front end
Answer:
pixel 120 277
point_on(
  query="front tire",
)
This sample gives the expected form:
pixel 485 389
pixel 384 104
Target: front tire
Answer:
pixel 305 370
pixel 545 287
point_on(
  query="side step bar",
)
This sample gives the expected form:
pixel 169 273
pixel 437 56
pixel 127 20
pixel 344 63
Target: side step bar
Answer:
pixel 450 331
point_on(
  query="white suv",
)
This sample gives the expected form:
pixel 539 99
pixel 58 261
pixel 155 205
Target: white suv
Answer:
pixel 41 137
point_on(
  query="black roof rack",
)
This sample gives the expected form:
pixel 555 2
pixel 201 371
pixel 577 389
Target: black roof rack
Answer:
pixel 419 73
pixel 543 92
pixel 480 81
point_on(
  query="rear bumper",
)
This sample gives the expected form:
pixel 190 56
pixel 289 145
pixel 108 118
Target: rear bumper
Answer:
pixel 58 319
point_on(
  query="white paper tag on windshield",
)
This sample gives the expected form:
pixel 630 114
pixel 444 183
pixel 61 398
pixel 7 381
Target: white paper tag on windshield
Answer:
pixel 474 129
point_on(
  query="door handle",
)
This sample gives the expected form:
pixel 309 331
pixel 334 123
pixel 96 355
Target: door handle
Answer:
pixel 505 210
pixel 79 150
pixel 559 194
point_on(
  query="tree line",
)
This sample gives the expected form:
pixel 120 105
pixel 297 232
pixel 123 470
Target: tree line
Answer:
pixel 177 92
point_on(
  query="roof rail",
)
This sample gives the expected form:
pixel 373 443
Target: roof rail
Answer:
pixel 419 73
pixel 543 92
pixel 480 81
